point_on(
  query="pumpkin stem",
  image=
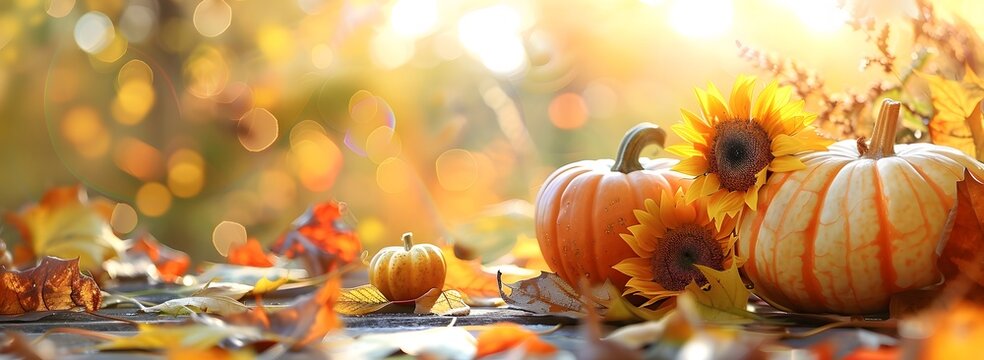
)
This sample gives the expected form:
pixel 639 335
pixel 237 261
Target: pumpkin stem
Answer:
pixel 883 137
pixel 636 139
pixel 407 240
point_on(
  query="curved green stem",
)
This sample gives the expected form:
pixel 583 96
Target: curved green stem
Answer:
pixel 636 139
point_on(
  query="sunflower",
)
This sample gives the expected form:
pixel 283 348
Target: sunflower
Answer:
pixel 672 236
pixel 732 148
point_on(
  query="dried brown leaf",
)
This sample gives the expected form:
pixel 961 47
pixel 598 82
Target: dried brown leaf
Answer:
pixel 366 299
pixel 54 284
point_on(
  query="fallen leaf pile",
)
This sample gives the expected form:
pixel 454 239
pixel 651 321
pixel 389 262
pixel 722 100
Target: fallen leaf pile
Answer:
pixel 54 284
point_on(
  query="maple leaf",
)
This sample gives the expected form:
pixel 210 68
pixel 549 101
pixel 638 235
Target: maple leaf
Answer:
pixel 505 336
pixel 170 263
pixel 321 238
pixel 725 298
pixel 957 121
pixel 250 254
pixel 67 225
pixel 367 299
pixel 54 284
pixel 962 257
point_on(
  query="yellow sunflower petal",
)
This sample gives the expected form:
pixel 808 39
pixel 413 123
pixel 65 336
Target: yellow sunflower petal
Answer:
pixel 763 107
pixel 683 150
pixel 646 286
pixel 731 203
pixel 695 122
pixel 786 163
pixel 712 107
pixel 637 268
pixel 650 221
pixel 694 165
pixel 712 183
pixel 741 97
pixel 802 141
pixel 689 134
pixel 693 193
pixel 666 211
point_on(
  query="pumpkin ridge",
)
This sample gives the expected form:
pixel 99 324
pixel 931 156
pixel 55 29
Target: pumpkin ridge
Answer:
pixel 580 231
pixel 750 269
pixel 810 280
pixel 884 238
pixel 782 221
pixel 847 233
pixel 936 187
pixel 550 244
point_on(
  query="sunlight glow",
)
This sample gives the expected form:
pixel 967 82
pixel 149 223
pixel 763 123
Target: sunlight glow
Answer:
pixel 820 16
pixel 701 18
pixel 492 34
pixel 414 18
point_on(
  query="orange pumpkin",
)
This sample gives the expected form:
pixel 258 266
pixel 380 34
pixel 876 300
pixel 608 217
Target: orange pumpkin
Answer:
pixel 583 207
pixel 859 224
pixel 407 272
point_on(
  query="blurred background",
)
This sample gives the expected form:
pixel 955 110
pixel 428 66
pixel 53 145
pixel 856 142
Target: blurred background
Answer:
pixel 419 115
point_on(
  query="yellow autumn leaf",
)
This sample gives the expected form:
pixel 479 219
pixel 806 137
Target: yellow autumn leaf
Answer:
pixel 367 299
pixel 360 300
pixel 957 119
pixel 265 285
pixel 448 302
pixel 187 336
pixel 725 299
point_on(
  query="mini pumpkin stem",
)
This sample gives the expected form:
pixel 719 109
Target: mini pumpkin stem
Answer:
pixel 407 240
pixel 883 137
pixel 636 139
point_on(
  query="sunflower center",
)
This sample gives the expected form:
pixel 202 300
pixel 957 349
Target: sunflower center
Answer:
pixel 738 152
pixel 677 252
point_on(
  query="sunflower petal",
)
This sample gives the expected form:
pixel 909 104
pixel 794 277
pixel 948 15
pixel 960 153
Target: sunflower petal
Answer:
pixel 683 150
pixel 637 268
pixel 786 163
pixel 695 122
pixel 741 97
pixel 694 165
pixel 695 188
pixel 666 210
pixel 802 141
pixel 689 134
pixel 711 185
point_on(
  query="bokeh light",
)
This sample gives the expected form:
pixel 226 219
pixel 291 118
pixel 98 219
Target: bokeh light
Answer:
pixel 394 175
pixel 206 72
pixel 568 111
pixel 94 32
pixel 457 170
pixel 123 219
pixel 153 199
pixel 414 18
pixel 60 8
pixel 258 129
pixel 83 128
pixel 212 17
pixel 139 159
pixel 315 157
pixel 186 173
pixel 227 235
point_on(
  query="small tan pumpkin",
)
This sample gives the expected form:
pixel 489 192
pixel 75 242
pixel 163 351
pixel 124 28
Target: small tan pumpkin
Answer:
pixel 409 271
pixel 583 208
pixel 859 224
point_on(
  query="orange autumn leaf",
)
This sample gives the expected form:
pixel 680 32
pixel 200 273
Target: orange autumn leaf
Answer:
pixel 321 238
pixel 306 321
pixel 170 263
pixel 54 284
pixel 963 254
pixel 66 224
pixel 249 254
pixel 468 277
pixel 506 336
pixel 957 119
